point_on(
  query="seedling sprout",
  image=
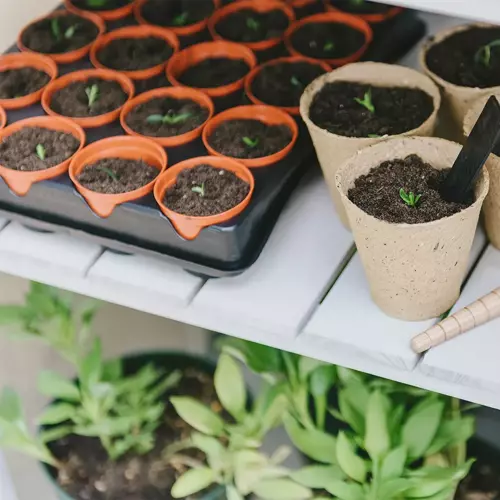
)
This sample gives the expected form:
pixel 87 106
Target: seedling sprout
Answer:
pixel 170 118
pixel 108 172
pixel 199 189
pixel 253 24
pixel 181 19
pixel 329 46
pixel 251 143
pixel 366 101
pixel 483 55
pixel 41 152
pixel 92 94
pixel 56 30
pixel 295 81
pixel 411 199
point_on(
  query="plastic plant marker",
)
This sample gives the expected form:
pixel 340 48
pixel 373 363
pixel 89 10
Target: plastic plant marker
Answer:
pixel 480 143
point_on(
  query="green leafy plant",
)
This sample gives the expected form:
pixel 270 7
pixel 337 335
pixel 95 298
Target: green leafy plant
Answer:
pixel 181 19
pixel 170 118
pixel 251 143
pixel 41 152
pixel 296 82
pixel 366 101
pixel 55 27
pixel 199 189
pixel 253 24
pixel 109 173
pixel 329 46
pixel 483 55
pixel 411 199
pixel 93 94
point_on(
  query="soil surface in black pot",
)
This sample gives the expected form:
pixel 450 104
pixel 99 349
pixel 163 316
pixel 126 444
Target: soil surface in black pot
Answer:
pixel 214 72
pixel 60 34
pixel 378 193
pixel 361 6
pixel 74 99
pixel 177 13
pixel 21 82
pixel 117 175
pixel 34 148
pixel 132 54
pixel 166 117
pixel 248 25
pixel 249 138
pixel 337 108
pixel 327 40
pixel 470 58
pixel 99 5
pixel 283 84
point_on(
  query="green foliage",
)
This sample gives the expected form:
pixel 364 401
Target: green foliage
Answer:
pixel 199 189
pixel 181 19
pixel 170 118
pixel 409 198
pixel 329 46
pixel 367 101
pixel 109 173
pixel 92 94
pixel 41 152
pixel 252 23
pixel 296 82
pixel 251 143
pixel 483 55
pixel 55 28
pixel 95 4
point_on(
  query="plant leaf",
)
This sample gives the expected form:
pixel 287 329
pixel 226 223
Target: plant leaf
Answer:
pixel 57 413
pixel 192 482
pixel 317 476
pixel 198 416
pixel 55 386
pixel 349 461
pixel 377 439
pixel 230 386
pixel 90 371
pixel 394 463
pixel 345 491
pixel 393 488
pixel 155 119
pixel 322 379
pixel 232 493
pixel 211 446
pixel 281 489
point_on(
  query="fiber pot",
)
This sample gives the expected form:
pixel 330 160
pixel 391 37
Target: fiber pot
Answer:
pixel 369 18
pixel 332 149
pixel 27 60
pixel 415 271
pixel 105 15
pixel 131 148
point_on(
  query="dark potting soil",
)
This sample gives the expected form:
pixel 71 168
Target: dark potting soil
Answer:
pixel 60 34
pixel 249 25
pixel 98 5
pixel 327 40
pixel 19 150
pixel 132 54
pixel 214 72
pixel 467 59
pixel 249 138
pixel 378 192
pixel 361 6
pixel 177 13
pixel 73 100
pixel 283 84
pixel 397 109
pixel 220 189
pixel 117 175
pixel 21 82
pixel 179 117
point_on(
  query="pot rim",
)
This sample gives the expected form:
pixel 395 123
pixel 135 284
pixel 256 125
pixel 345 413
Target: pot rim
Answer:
pixel 392 12
pixel 105 15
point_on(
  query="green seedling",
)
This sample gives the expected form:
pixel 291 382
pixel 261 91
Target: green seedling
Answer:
pixel 366 101
pixel 55 28
pixel 41 152
pixel 483 55
pixel 108 172
pixel 296 82
pixel 251 143
pixel 181 19
pixel 411 199
pixel 92 94
pixel 329 46
pixel 70 32
pixel 96 3
pixel 199 189
pixel 374 136
pixel 170 118
pixel 253 24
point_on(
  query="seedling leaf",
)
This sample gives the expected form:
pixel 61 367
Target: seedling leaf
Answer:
pixel 329 46
pixel 155 119
pixel 483 55
pixel 181 19
pixel 253 24
pixel 199 189
pixel 409 198
pixel 230 386
pixel 251 143
pixel 108 172
pixel 55 28
pixel 173 119
pixel 69 33
pixel 295 81
pixel 41 152
pixel 92 94
pixel 366 101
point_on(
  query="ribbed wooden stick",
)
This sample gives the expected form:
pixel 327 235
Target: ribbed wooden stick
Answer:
pixel 478 313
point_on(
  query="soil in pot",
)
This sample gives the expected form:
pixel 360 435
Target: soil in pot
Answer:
pixel 89 98
pixel 249 138
pixel 379 193
pixel 166 117
pixel 117 175
pixel 177 13
pixel 327 40
pixel 34 148
pixel 205 190
pixel 470 58
pixel 132 54
pixel 21 82
pixel 249 26
pixel 214 72
pixel 60 34
pixel 359 110
pixel 100 5
pixel 361 7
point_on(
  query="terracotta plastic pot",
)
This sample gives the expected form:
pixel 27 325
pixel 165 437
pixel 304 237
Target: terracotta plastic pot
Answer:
pixel 333 149
pixel 3 118
pixel 81 76
pixel 27 60
pixel 190 227
pixel 191 56
pixel 73 55
pixel 295 110
pixel 130 148
pixel 266 114
pixel 176 93
pixel 136 32
pixel 415 271
pixel 369 18
pixel 106 15
pixel 21 182
pixel 259 6
pixel 336 18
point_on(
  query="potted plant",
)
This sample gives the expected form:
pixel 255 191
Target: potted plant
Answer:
pixel 62 36
pixel 257 136
pixel 37 149
pixel 201 192
pixel 371 12
pixel 91 97
pixel 108 10
pixel 344 112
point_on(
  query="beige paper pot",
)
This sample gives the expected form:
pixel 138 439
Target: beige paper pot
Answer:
pixel 414 270
pixel 333 149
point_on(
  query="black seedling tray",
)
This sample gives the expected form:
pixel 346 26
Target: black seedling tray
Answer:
pixel 140 227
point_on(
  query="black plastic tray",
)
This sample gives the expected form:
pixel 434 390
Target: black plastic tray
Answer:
pixel 140 227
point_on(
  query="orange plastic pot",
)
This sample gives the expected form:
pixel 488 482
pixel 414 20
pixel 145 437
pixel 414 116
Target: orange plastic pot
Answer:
pixel 369 18
pixel 336 18
pixel 259 6
pixel 191 56
pixel 73 55
pixel 266 114
pixel 143 31
pixel 175 93
pixel 21 182
pixel 27 60
pixel 105 15
pixel 293 110
pixel 81 76
pixel 3 118
pixel 190 227
pixel 130 148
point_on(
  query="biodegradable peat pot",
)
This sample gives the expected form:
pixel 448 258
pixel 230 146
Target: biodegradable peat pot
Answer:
pixel 415 271
pixel 83 76
pixel 269 116
pixel 69 56
pixel 123 147
pixel 189 227
pixel 106 14
pixel 37 62
pixel 20 181
pixel 333 149
pixel 371 12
